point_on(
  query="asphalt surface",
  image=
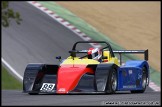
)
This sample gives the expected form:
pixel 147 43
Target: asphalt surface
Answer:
pixel 39 39
pixel 19 98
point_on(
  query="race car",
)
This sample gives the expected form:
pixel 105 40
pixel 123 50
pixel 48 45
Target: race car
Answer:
pixel 88 71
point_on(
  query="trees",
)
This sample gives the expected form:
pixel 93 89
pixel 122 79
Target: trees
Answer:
pixel 7 14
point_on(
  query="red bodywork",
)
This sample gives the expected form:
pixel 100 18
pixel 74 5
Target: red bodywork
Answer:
pixel 69 76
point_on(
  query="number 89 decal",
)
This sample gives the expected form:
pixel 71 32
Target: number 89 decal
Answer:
pixel 47 87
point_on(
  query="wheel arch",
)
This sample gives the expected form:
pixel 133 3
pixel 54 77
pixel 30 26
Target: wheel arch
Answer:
pixel 34 74
pixel 102 74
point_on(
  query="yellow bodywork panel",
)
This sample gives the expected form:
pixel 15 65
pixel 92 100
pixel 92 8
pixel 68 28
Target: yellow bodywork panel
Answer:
pixel 109 58
pixel 114 60
pixel 86 61
pixel 76 60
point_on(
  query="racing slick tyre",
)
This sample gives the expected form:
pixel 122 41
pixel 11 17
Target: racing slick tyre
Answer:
pixel 143 82
pixel 112 82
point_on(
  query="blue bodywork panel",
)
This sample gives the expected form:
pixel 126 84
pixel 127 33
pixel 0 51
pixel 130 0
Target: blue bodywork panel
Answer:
pixel 130 75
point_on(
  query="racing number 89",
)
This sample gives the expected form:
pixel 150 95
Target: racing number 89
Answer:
pixel 47 86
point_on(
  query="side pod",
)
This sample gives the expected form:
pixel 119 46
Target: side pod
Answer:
pixel 34 74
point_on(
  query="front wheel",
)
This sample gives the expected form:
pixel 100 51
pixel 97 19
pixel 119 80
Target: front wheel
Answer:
pixel 112 82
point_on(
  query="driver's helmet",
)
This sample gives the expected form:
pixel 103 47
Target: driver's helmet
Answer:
pixel 94 53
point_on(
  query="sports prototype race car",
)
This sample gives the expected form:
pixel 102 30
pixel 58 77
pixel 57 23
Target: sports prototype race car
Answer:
pixel 96 70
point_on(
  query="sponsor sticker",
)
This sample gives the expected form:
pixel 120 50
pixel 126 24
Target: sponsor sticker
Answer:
pixel 139 76
pixel 61 89
pixel 130 71
pixel 130 86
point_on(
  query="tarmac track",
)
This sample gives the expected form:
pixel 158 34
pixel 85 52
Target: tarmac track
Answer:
pixel 39 39
pixel 11 97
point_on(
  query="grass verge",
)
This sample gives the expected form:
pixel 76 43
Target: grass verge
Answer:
pixel 8 82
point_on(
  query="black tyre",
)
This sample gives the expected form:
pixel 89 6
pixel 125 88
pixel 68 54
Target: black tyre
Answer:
pixel 112 82
pixel 144 83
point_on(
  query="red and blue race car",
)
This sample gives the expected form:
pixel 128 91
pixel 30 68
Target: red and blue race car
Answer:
pixel 96 70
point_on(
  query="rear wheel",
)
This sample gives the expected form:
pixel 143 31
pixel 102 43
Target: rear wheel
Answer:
pixel 144 83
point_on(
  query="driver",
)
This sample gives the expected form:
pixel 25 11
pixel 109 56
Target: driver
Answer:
pixel 94 53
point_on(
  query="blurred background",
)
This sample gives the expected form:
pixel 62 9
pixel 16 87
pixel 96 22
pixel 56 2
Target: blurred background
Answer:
pixel 132 25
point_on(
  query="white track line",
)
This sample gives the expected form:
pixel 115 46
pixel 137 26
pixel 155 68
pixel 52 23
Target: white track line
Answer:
pixel 13 70
pixel 153 86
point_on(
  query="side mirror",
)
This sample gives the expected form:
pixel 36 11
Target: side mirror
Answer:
pixel 58 57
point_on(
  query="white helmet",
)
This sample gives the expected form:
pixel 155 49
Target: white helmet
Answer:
pixel 94 53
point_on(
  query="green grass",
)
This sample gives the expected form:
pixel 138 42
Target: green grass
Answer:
pixel 8 82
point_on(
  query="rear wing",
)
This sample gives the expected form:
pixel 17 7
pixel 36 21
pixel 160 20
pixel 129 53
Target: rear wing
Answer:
pixel 145 52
